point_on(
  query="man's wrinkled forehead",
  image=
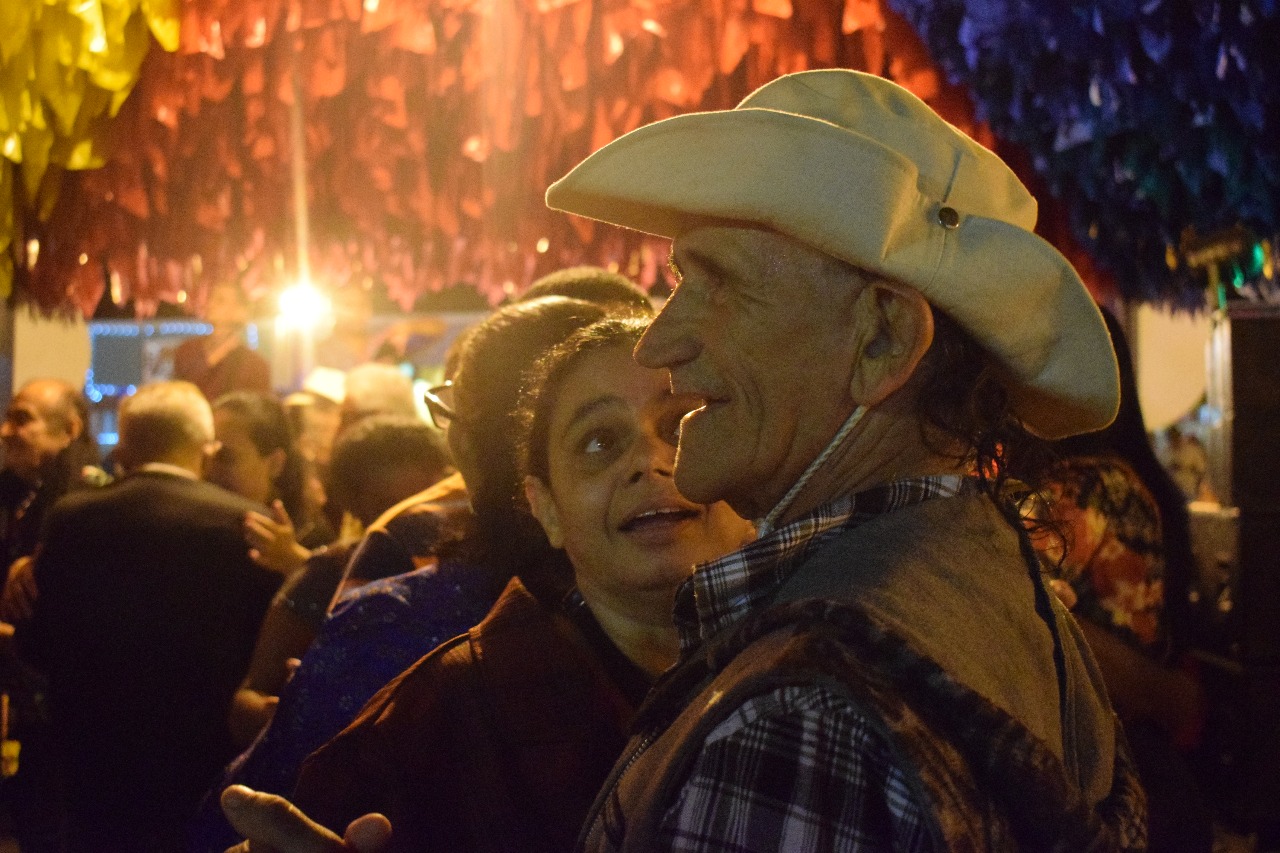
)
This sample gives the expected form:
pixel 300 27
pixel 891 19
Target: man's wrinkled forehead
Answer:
pixel 724 243
pixel 750 251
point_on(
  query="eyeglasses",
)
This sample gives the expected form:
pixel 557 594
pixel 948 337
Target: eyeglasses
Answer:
pixel 439 402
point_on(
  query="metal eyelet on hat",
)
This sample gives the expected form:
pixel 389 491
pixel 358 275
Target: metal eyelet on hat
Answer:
pixel 948 218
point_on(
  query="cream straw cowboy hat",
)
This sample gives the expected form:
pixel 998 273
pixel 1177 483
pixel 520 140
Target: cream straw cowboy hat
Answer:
pixel 860 168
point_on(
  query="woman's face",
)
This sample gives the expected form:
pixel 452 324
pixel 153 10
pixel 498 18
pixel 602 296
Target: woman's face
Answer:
pixel 611 502
pixel 238 466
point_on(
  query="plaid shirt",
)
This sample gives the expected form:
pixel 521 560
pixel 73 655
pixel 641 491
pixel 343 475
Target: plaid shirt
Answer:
pixel 796 769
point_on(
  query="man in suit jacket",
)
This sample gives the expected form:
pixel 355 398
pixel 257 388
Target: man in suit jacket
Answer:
pixel 147 611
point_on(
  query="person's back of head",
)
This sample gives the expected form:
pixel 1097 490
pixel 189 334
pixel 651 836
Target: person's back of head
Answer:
pixel 263 415
pixel 168 422
pixel 591 284
pixel 376 389
pixel 488 368
pixel 382 460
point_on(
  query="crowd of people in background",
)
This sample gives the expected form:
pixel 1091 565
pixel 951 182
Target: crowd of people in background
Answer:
pixel 345 564
pixel 441 635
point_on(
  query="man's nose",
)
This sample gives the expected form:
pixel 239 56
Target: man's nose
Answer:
pixel 670 340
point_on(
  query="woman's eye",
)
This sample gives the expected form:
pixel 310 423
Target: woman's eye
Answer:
pixel 669 428
pixel 598 442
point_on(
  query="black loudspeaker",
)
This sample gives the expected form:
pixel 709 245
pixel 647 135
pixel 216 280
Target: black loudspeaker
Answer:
pixel 1247 394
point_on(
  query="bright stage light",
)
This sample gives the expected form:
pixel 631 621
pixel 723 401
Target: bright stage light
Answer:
pixel 303 308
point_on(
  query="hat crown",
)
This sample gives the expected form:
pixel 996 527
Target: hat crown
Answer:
pixel 951 167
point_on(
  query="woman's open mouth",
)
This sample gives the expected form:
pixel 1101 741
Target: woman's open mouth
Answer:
pixel 657 519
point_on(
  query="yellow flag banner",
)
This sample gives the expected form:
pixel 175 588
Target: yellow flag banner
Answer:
pixel 66 67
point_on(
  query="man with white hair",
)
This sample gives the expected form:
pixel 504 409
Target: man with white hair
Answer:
pixel 878 340
pixel 147 609
pixel 376 389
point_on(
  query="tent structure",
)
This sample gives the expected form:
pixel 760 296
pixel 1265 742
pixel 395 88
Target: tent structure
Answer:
pixel 148 144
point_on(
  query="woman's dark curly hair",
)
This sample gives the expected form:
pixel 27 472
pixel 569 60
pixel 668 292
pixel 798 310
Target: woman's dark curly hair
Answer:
pixel 545 379
pixel 488 373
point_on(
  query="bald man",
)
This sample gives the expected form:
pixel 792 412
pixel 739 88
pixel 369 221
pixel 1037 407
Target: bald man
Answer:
pixel 47 452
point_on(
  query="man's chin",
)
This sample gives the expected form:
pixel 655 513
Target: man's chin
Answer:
pixel 700 477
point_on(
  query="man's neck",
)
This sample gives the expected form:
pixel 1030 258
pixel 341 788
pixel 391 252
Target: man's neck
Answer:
pixel 887 445
pixel 182 466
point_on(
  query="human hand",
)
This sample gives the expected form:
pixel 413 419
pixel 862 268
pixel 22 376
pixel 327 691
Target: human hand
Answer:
pixel 272 824
pixel 271 541
pixel 20 593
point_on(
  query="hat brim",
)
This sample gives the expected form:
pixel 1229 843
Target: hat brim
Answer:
pixel 855 199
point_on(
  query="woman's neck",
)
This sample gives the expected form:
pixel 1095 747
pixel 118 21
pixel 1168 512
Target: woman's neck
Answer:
pixel 643 630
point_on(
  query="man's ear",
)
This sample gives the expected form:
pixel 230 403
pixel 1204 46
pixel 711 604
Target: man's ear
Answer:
pixel 893 329
pixel 208 451
pixel 544 509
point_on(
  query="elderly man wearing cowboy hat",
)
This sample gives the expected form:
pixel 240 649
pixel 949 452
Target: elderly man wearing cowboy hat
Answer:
pixel 874 330
pixel 877 338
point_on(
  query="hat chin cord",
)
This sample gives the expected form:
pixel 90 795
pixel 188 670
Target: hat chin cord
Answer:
pixel 765 526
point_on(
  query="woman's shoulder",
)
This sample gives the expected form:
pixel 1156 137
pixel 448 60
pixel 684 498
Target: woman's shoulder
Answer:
pixel 451 596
